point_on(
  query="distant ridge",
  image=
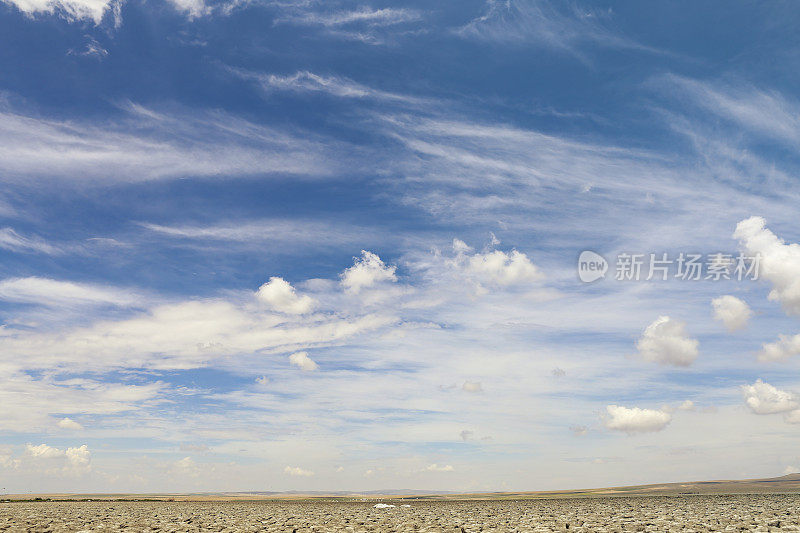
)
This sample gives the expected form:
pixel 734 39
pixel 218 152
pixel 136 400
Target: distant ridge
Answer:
pixel 789 483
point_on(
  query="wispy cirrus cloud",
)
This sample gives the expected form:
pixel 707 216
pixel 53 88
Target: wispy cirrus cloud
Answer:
pixel 145 144
pixel 309 82
pixel 51 292
pixel 551 24
pixel 364 24
pixel 767 113
pixel 13 241
pixel 365 15
pixel 293 232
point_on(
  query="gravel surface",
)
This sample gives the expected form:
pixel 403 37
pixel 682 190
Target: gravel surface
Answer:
pixel 687 513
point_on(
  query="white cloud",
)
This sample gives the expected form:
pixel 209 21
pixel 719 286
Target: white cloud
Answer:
pixel 786 346
pixel 284 235
pixel 367 25
pixel 196 448
pixel 635 420
pixel 495 267
pixel 687 405
pixel 488 172
pixel 549 24
pixel 779 262
pixel 665 342
pixel 380 17
pixel 439 468
pixel 297 471
pixel 78 458
pixel 792 417
pixel 68 423
pixel 765 112
pixel 282 297
pixel 43 451
pixel 732 312
pixel 70 9
pixel 309 82
pixel 185 467
pixel 142 144
pixel 30 403
pixel 367 271
pixel 50 292
pixel 764 399
pixel 472 386
pixel 302 361
pixel 11 240
pixel 182 335
pixel 71 460
pixel 93 10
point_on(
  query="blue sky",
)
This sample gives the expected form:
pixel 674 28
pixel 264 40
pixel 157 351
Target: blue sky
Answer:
pixel 332 245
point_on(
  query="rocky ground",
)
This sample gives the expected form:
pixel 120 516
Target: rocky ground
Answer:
pixel 680 513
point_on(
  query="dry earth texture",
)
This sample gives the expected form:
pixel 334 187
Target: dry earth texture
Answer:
pixel 740 512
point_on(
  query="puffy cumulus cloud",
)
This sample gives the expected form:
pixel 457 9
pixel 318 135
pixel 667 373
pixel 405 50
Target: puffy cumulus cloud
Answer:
pixel 472 386
pixel 69 9
pixel 495 267
pixel 367 271
pixel 79 458
pixel 665 342
pixel 764 399
pixel 635 420
pixel 439 468
pixel 687 405
pixel 68 423
pixel 282 297
pixel 297 471
pixel 786 346
pixel 43 451
pixel 75 460
pixel 302 361
pixel 779 262
pixel 94 10
pixel 732 312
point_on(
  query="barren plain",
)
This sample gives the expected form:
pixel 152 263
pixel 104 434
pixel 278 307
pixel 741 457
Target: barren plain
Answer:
pixel 698 513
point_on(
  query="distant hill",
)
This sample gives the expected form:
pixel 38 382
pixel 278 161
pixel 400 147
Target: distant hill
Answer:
pixel 787 483
pixel 783 484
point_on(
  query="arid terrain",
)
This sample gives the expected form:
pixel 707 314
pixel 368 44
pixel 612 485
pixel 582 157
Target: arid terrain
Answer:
pixel 741 512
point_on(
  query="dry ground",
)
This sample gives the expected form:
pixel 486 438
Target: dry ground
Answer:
pixel 742 512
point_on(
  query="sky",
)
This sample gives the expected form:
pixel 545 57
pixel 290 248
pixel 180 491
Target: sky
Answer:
pixel 257 245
